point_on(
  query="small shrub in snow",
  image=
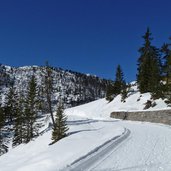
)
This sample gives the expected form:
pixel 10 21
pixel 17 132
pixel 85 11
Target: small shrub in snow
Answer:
pixel 148 104
pixel 153 104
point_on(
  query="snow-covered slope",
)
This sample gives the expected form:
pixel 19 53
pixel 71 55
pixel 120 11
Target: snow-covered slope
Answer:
pixel 71 88
pixel 147 148
pixel 84 136
pixel 101 108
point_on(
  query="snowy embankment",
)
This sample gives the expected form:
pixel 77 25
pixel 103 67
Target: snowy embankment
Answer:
pixel 101 109
pixel 85 135
pixel 92 137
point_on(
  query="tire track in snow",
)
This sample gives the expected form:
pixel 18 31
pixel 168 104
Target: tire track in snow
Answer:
pixel 86 162
pixel 148 149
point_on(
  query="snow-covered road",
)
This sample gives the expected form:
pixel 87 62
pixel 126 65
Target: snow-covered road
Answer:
pixel 143 147
pixel 99 153
pixel 147 149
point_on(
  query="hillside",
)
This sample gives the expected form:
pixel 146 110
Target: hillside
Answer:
pixel 71 88
pixel 137 101
pixel 134 102
pixel 91 131
pixel 97 142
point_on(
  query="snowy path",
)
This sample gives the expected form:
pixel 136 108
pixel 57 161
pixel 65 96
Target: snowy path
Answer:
pixel 147 149
pixel 85 162
pixel 143 147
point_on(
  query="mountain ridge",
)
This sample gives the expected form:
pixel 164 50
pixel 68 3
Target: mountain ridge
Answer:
pixel 71 87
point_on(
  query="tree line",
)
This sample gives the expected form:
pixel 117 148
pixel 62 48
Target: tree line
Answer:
pixel 21 111
pixel 153 72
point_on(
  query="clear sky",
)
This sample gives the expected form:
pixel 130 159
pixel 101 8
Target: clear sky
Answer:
pixel 89 36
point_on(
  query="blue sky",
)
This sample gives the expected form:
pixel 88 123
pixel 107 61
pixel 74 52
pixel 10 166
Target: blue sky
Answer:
pixel 89 36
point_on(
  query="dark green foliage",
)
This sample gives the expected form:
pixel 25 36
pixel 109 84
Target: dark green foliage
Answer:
pixel 60 129
pixel 167 62
pixel 110 93
pixel 119 81
pixel 166 71
pixel 3 148
pixel 148 104
pixel 19 123
pixel 149 66
pixel 11 105
pixel 118 87
pixel 31 111
pixel 160 91
pixel 25 126
pixel 124 92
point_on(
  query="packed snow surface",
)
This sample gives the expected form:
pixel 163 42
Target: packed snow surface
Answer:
pixel 147 147
pixel 85 135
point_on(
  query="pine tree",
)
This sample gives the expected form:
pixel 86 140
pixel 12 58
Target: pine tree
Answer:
pixel 11 105
pixel 167 62
pixel 48 82
pixel 31 111
pixel 124 92
pixel 60 129
pixel 166 71
pixel 119 81
pixel 110 92
pixel 149 66
pixel 19 124
pixel 3 148
pixel 117 87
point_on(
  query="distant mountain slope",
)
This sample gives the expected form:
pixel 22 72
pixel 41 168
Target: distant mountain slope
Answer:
pixel 72 88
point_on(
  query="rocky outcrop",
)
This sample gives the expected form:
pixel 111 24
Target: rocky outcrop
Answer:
pixel 159 116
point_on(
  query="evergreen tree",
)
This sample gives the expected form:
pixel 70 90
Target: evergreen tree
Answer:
pixel 156 71
pixel 3 148
pixel 119 81
pixel 149 66
pixel 167 62
pixel 110 92
pixel 11 105
pixel 48 82
pixel 166 70
pixel 31 111
pixel 118 86
pixel 60 128
pixel 124 92
pixel 19 124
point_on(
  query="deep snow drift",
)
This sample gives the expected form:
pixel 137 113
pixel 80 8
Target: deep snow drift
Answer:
pixel 147 148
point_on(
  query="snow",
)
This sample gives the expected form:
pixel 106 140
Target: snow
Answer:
pixel 85 135
pixel 93 133
pixel 100 109
pixel 147 149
